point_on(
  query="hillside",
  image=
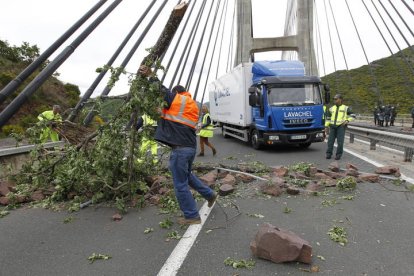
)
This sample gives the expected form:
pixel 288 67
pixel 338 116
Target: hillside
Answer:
pixel 13 60
pixel 393 83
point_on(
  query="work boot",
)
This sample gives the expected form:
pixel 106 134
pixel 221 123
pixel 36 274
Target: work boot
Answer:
pixel 201 154
pixel 212 200
pixel 337 157
pixel 214 151
pixel 184 221
pixel 328 156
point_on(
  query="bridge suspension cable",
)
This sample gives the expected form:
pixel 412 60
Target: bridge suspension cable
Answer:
pixel 14 84
pixel 12 108
pixel 99 78
pixel 126 60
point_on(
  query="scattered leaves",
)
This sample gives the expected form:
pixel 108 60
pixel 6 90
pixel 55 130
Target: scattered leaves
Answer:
pixel 249 264
pixel 347 183
pixel 338 234
pixel 166 223
pixel 321 257
pixel 95 257
pixel 287 210
pixel 4 213
pixel 348 197
pixel 255 215
pixel 69 219
pixel 174 235
pixel 148 230
pixel 329 203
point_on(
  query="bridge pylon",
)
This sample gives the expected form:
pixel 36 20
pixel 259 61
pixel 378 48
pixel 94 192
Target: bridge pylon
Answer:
pixel 298 34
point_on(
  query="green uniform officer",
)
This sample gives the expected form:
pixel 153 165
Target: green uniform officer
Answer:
pixel 339 118
pixel 52 118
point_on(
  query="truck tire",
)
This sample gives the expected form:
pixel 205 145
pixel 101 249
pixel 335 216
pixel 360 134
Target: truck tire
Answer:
pixel 305 146
pixel 255 140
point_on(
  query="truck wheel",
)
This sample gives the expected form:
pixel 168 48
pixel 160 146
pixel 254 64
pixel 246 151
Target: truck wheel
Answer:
pixel 305 146
pixel 255 140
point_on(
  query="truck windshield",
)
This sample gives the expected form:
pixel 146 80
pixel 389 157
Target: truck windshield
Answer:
pixel 294 94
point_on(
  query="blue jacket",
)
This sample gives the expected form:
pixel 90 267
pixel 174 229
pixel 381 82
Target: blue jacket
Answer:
pixel 172 133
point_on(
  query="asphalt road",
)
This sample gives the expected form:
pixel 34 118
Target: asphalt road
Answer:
pixel 379 224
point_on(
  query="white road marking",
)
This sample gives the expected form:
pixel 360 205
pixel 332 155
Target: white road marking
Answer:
pixel 406 178
pixel 177 257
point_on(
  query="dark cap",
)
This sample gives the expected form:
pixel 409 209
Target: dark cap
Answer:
pixel 178 89
pixel 338 96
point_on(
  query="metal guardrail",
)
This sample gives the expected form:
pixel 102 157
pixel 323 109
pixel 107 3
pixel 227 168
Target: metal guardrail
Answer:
pixel 28 148
pixel 374 136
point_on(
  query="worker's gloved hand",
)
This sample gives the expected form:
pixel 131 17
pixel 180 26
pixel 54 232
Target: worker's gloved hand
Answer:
pixel 144 71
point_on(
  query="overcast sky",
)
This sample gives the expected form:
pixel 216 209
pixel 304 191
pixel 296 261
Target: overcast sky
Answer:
pixel 41 22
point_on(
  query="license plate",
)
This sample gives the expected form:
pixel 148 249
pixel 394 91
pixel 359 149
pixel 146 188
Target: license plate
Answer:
pixel 298 137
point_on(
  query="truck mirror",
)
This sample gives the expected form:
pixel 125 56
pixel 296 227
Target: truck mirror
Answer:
pixel 327 96
pixel 252 90
pixel 253 99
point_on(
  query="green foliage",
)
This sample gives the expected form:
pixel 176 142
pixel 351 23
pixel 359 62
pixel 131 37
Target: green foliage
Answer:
pixel 301 167
pixel 95 257
pixel 166 223
pixel 338 234
pixel 148 230
pixel 394 79
pixel 249 264
pixel 10 129
pixel 174 235
pixel 4 213
pixel 105 169
pixel 346 184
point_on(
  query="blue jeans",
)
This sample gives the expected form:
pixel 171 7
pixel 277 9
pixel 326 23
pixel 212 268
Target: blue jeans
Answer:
pixel 181 161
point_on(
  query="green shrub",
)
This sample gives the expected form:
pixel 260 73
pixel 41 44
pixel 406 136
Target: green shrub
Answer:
pixel 9 129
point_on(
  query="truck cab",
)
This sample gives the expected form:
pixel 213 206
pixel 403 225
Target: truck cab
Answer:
pixel 286 110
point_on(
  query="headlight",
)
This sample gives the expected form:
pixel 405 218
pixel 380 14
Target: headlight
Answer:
pixel 320 134
pixel 274 138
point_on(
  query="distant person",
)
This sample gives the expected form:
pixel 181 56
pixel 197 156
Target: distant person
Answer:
pixel 393 115
pixel 387 115
pixel 337 124
pixel 177 129
pixel 376 114
pixel 206 131
pixel 51 118
pixel 412 116
pixel 381 115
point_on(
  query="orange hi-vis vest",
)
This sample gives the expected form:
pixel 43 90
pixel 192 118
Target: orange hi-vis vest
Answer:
pixel 183 110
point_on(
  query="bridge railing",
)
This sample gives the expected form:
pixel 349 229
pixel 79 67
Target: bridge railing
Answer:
pixel 374 136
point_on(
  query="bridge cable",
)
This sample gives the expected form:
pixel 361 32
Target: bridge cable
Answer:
pixel 396 26
pixel 320 39
pixel 366 57
pixel 402 19
pixel 230 52
pixel 213 52
pixel 187 49
pixel 14 106
pixel 409 87
pixel 99 78
pixel 351 85
pixel 178 42
pixel 405 57
pixel 124 63
pixel 408 7
pixel 14 84
pixel 332 51
pixel 192 69
pixel 207 48
pixel 222 37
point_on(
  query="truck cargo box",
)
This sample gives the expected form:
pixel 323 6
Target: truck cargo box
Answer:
pixel 229 97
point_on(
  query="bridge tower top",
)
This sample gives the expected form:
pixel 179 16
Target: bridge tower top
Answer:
pixel 298 34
